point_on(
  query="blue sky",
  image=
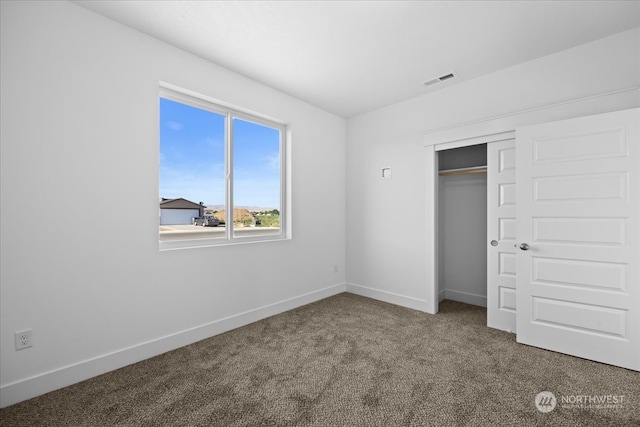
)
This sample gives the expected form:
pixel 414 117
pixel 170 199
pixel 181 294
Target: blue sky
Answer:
pixel 192 158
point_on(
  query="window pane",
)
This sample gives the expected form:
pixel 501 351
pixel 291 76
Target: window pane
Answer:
pixel 192 172
pixel 256 179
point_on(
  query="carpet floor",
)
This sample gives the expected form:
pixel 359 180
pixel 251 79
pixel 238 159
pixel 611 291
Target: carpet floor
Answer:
pixel 348 361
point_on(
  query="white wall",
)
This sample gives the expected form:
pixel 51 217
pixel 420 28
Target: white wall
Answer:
pixel 388 241
pixel 79 134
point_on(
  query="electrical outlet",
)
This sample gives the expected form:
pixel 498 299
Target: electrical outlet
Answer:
pixel 23 339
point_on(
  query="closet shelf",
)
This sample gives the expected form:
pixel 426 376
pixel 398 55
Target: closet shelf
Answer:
pixel 463 171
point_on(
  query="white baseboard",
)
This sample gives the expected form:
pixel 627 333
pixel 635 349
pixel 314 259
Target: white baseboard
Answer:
pixel 465 297
pixel 53 380
pixel 390 297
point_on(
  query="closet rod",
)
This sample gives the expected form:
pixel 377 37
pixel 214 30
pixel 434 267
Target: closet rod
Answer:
pixel 463 171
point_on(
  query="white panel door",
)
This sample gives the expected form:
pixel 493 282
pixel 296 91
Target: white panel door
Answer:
pixel 578 209
pixel 501 235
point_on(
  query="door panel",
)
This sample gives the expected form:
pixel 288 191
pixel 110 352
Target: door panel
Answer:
pixel 590 187
pixel 604 231
pixel 597 145
pixel 507 229
pixel 507 194
pixel 578 207
pixel 559 272
pixel 501 227
pixel 597 320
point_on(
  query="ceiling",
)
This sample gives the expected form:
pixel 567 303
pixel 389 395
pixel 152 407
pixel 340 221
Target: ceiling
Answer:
pixel 350 57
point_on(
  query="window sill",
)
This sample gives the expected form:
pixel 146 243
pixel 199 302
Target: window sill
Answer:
pixel 208 242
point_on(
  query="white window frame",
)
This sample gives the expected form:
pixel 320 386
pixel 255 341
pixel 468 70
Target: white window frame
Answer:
pixel 193 99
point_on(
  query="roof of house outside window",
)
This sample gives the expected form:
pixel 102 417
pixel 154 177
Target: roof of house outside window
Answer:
pixel 179 204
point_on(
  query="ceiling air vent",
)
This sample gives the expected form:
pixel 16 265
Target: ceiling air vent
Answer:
pixel 439 79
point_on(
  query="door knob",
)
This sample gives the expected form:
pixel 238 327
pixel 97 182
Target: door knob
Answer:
pixel 524 246
pixel 494 243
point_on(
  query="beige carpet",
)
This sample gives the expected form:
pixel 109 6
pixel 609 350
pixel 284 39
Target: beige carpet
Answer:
pixel 346 361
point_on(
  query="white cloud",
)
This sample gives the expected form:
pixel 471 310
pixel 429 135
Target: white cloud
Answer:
pixel 272 162
pixel 174 125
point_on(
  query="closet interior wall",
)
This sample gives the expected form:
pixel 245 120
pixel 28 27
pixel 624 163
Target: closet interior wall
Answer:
pixel 462 225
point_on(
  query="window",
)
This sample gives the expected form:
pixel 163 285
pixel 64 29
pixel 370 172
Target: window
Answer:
pixel 221 174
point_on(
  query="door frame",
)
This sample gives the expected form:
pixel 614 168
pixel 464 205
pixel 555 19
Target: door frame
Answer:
pixel 433 184
pixel 487 130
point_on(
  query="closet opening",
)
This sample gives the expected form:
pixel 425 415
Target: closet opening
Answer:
pixel 462 224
